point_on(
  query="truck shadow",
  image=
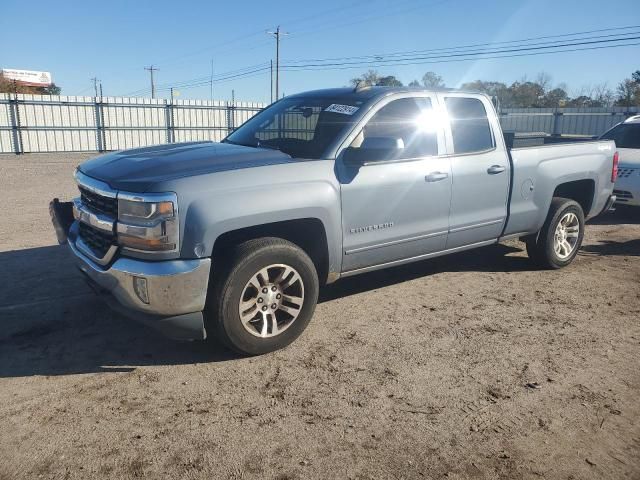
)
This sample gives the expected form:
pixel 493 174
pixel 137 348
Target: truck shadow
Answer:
pixel 494 258
pixel 630 248
pixel 628 215
pixel 52 323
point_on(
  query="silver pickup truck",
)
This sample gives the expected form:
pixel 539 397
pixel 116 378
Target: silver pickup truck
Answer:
pixel 232 240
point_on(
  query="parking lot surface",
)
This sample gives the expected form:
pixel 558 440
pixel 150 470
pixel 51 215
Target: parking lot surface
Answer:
pixel 475 365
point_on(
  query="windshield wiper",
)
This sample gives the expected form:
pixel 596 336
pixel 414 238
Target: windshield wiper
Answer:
pixel 258 144
pixel 266 145
pixel 231 142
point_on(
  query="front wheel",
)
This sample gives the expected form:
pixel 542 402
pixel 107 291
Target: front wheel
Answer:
pixel 560 238
pixel 265 298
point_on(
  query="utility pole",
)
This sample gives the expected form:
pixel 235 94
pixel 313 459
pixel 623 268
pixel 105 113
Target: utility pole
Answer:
pixel 277 34
pixel 95 85
pixel 211 81
pixel 271 76
pixel 100 89
pixel 152 69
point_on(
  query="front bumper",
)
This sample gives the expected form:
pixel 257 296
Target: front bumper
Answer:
pixel 168 295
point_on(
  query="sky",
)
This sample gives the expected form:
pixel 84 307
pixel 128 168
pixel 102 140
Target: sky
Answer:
pixel 115 40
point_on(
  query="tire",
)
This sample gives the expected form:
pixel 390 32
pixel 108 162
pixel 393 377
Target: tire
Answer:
pixel 549 251
pixel 246 269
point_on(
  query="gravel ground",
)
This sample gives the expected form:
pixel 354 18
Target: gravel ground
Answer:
pixel 469 366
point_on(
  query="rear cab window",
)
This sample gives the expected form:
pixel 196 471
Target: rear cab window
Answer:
pixel 470 129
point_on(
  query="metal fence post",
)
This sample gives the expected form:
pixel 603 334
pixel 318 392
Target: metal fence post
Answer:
pixel 230 117
pixel 98 115
pixel 555 127
pixel 16 130
pixel 170 121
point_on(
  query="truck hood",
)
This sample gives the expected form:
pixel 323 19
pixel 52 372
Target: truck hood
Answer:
pixel 629 157
pixel 138 169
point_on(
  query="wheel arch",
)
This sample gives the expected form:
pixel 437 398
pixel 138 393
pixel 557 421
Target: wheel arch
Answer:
pixel 307 233
pixel 580 191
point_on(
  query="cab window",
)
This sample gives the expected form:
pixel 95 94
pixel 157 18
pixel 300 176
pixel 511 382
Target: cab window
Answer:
pixel 408 123
pixel 469 125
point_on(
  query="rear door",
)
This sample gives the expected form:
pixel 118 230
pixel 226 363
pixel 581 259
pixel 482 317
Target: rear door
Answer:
pixel 480 170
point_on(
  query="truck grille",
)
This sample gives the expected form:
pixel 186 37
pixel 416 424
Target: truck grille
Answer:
pixel 99 203
pixel 622 195
pixel 624 172
pixel 97 240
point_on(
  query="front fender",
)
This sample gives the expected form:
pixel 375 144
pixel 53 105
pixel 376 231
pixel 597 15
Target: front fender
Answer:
pixel 230 202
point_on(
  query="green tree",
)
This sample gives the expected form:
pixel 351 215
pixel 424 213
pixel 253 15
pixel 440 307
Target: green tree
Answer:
pixel 628 93
pixel 527 94
pixel 372 78
pixel 555 98
pixel 388 81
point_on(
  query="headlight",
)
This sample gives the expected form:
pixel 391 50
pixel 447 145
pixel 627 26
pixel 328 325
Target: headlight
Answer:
pixel 148 223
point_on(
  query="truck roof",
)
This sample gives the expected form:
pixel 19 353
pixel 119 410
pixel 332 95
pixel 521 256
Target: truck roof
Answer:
pixel 367 93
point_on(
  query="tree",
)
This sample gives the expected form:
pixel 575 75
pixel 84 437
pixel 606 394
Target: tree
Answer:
pixel 388 81
pixel 580 101
pixel 527 94
pixel 628 93
pixel 373 78
pixel 496 90
pixel 602 95
pixel 414 83
pixel 555 98
pixel 368 79
pixel 432 80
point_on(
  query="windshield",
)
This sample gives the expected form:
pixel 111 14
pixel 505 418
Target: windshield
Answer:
pixel 300 127
pixel 626 135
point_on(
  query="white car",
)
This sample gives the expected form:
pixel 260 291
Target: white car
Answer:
pixel 627 138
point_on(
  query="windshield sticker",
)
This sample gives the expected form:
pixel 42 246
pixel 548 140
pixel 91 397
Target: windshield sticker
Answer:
pixel 344 109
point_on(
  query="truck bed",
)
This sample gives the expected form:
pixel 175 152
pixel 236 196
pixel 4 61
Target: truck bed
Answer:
pixel 537 139
pixel 537 169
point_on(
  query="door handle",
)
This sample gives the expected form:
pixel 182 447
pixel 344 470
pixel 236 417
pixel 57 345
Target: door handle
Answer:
pixel 494 169
pixel 436 176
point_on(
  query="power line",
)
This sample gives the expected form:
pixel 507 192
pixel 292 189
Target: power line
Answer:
pixel 510 49
pixel 483 58
pixel 203 78
pixel 415 60
pixel 523 40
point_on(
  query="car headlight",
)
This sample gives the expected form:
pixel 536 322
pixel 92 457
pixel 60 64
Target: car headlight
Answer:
pixel 148 223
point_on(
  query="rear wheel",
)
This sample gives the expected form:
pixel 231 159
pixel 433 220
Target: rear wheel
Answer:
pixel 560 238
pixel 265 297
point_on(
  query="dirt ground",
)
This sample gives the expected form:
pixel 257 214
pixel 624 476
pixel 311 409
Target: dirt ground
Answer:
pixel 469 366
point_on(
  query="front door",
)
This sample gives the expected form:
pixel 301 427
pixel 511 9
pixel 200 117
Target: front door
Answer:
pixel 397 207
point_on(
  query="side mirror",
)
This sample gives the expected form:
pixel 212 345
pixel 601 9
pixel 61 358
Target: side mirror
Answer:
pixel 373 149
